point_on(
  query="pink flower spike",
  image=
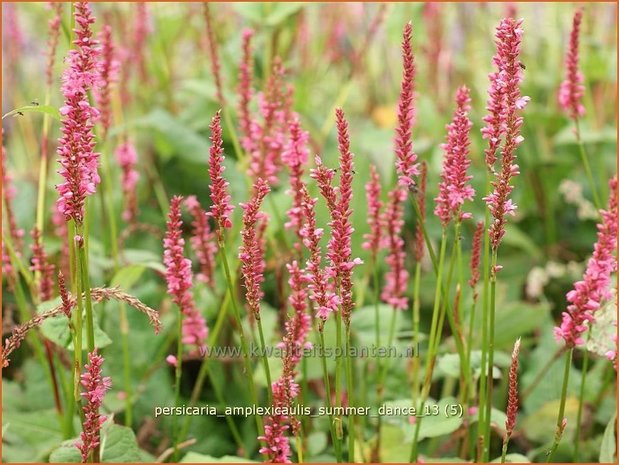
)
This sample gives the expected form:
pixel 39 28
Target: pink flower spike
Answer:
pixel 40 264
pixel 512 397
pixel 295 157
pixel 373 191
pixel 203 241
pixel 179 278
pixel 406 158
pixel 127 157
pixel 587 296
pixel 94 388
pixel 244 89
pixel 397 276
pixel 476 256
pixel 78 161
pixel 507 81
pixel 572 89
pixel 52 42
pixel 212 45
pixel 251 253
pixel 454 188
pixel 108 76
pixel 221 208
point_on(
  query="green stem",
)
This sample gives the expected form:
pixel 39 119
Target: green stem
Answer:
pixel 585 162
pixel 237 316
pixel 581 399
pixel 560 416
pixel 351 398
pixel 490 379
pixel 432 347
pixel 177 382
pixel 325 371
pixel 124 335
pixel 265 360
pixel 416 321
pixel 338 374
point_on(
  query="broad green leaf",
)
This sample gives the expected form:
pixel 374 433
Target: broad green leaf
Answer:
pixel 540 425
pixel 66 453
pixel 609 442
pixel 29 435
pixel 439 425
pixel 127 276
pixel 57 330
pixel 119 445
pixel 46 109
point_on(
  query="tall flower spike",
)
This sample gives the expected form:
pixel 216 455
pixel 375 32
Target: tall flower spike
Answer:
pixel 295 156
pixel 127 157
pixel 512 395
pixel 340 245
pixel 179 278
pixel 372 192
pixel 78 161
pixel 212 45
pixel 508 41
pixel 245 84
pixel 41 264
pixel 52 41
pixel 64 295
pixel 572 89
pixel 221 208
pixel 589 293
pixel 108 76
pixel 301 322
pixel 325 300
pixel 406 158
pixel 421 201
pixel 251 253
pixel 454 188
pixel 203 241
pixel 397 276
pixel 94 389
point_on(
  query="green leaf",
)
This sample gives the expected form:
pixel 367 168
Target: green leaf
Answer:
pixel 439 425
pixel 145 258
pixel 57 330
pixel 46 109
pixel 66 453
pixel 127 276
pixel 29 436
pixel 609 445
pixel 119 445
pixel 194 457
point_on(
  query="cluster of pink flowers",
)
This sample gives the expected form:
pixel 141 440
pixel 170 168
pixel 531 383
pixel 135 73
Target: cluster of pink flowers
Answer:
pixel 179 277
pixel 512 393
pixel 406 158
pixel 396 278
pixel 127 157
pixel 267 138
pixel 251 253
pixel 325 300
pixel 108 76
pixel 295 157
pixel 95 387
pixel 221 208
pixel 589 293
pixel 372 192
pixel 52 42
pixel 476 256
pixel 454 188
pixel 212 45
pixel 244 89
pixel 285 389
pixel 572 89
pixel 203 241
pixel 79 162
pixel 64 295
pixel 504 122
pixel 41 264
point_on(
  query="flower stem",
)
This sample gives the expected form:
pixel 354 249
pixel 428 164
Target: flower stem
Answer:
pixel 177 381
pixel 560 417
pixel 265 360
pixel 237 316
pixel 416 320
pixel 432 346
pixel 490 378
pixel 336 443
pixel 581 399
pixel 338 374
pixel 351 397
pixel 585 162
